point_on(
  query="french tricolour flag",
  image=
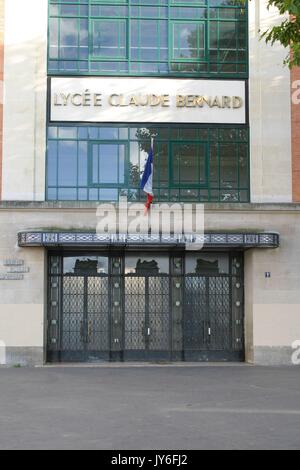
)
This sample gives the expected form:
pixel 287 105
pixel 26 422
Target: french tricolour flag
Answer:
pixel 147 178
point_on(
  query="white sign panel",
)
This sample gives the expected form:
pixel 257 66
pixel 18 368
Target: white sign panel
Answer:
pixel 148 100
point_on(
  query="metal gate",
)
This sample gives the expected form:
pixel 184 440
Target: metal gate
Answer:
pixel 85 318
pixel 147 316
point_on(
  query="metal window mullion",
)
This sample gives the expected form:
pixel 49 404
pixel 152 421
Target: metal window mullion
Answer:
pixel 90 35
pixel 99 155
pixel 129 36
pixel 59 37
pixel 198 161
pixel 208 157
pixel 158 43
pixel 77 189
pixel 208 23
pixel 78 42
pixel 118 163
pixel 238 167
pixel 57 169
pixel 219 167
pixel 139 42
pixel 169 37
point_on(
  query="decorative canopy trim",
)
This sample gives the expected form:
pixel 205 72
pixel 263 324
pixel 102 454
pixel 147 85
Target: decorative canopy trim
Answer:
pixel 91 239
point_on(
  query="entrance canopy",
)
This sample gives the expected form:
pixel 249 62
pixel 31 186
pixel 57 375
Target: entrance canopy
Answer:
pixel 92 239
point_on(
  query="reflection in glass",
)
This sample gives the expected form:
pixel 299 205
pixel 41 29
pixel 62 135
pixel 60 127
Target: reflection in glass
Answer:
pixel 189 40
pixel 109 38
pixel 191 164
pixel 82 265
pixel 207 264
pixel 147 264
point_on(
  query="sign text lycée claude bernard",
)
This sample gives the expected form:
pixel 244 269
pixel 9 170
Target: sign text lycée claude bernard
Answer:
pixel 148 100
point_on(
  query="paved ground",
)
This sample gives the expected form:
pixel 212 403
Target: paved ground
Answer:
pixel 165 407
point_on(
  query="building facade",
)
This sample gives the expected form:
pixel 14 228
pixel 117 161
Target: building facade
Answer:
pixel 86 85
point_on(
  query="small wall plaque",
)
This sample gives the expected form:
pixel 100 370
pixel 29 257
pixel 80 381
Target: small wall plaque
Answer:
pixel 19 270
pixel 11 277
pixel 14 269
pixel 13 262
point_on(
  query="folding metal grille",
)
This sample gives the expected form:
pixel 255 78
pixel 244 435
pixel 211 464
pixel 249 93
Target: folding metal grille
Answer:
pixel 73 313
pixel 145 316
pixel 98 314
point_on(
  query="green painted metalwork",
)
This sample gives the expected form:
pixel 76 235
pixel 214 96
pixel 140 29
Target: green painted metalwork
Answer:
pixel 192 164
pixel 200 38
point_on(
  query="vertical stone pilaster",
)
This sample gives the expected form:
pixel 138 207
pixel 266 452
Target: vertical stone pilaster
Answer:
pixel 2 5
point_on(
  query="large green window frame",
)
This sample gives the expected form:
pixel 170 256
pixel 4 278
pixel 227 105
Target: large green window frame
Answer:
pixel 102 174
pixel 200 38
pixel 191 164
pixel 109 39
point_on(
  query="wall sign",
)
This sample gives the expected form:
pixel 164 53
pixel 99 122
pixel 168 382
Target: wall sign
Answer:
pixel 148 100
pixel 14 270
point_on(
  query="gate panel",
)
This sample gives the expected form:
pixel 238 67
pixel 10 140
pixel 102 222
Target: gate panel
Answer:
pixel 159 314
pixel 98 315
pixel 135 314
pixel 195 314
pixel 213 323
pixel 219 321
pixel 147 318
pixel 73 318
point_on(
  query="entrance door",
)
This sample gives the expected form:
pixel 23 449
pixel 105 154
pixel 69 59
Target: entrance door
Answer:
pixel 147 319
pixel 213 322
pixel 85 313
pixel 151 307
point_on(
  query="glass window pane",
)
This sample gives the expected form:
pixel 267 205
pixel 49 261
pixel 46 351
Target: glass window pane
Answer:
pixel 228 166
pixel 52 163
pixel 189 164
pixel 160 32
pixel 67 163
pixel 197 165
pixel 207 264
pixel 188 40
pixel 109 39
pixel 108 164
pixel 82 264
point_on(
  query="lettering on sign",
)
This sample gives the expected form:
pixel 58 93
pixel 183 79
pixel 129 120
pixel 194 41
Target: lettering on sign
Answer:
pixel 13 262
pixel 15 270
pixel 138 100
pixel 19 269
pixel 11 277
pixel 164 101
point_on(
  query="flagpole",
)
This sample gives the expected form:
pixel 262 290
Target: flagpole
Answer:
pixel 147 179
pixel 149 201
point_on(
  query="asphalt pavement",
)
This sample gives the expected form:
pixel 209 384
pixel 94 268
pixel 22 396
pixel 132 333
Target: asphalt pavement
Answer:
pixel 142 408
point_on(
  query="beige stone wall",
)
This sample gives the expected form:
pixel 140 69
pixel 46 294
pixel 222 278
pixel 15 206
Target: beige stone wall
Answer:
pixel 21 302
pixel 25 93
pixel 272 305
pixel 270 111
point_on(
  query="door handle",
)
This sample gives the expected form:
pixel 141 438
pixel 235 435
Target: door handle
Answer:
pixel 90 331
pixel 82 330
